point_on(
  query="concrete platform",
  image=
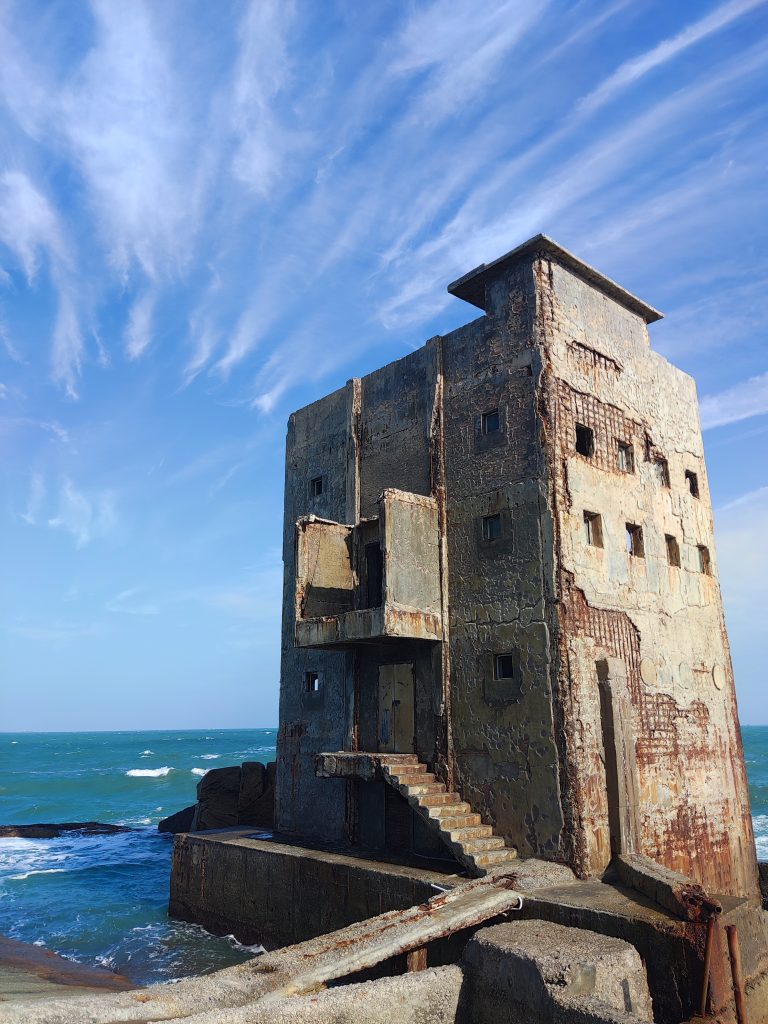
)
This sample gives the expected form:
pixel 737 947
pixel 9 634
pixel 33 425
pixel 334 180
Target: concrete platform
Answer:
pixel 278 893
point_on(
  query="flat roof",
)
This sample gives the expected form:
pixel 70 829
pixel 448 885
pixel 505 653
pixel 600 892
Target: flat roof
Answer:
pixel 471 287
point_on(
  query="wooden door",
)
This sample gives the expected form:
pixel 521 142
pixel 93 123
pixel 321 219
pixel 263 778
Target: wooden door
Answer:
pixel 396 709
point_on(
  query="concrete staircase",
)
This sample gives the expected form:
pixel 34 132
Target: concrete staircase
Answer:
pixel 472 843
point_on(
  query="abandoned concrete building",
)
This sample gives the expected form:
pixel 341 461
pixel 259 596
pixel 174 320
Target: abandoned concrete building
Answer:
pixel 503 657
pixel 502 625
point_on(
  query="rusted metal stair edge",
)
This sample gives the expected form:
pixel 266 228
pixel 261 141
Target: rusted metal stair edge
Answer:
pixel 465 859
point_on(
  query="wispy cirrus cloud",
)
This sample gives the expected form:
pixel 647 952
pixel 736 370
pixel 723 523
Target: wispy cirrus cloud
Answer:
pixel 131 602
pixel 740 402
pixel 85 516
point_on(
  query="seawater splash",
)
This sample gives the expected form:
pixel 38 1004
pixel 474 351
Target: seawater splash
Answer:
pixel 199 771
pixel 103 899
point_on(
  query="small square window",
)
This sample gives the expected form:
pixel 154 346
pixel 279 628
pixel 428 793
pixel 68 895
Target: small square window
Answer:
pixel 585 440
pixel 504 666
pixel 693 483
pixel 661 468
pixel 673 550
pixel 635 545
pixel 316 486
pixel 625 457
pixel 312 682
pixel 705 562
pixel 593 529
pixel 490 423
pixel 492 527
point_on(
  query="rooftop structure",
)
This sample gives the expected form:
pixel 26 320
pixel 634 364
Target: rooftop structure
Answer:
pixel 502 626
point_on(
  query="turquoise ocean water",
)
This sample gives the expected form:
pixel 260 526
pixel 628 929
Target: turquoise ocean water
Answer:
pixel 102 899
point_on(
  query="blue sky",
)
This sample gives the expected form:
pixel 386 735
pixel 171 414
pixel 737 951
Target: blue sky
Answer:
pixel 212 214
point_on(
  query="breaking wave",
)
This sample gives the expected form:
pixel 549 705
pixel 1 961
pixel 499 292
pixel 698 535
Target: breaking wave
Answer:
pixel 149 773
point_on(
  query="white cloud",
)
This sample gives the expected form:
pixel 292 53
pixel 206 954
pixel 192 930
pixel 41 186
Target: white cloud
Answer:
pixel 740 402
pixel 29 226
pixel 138 335
pixel 128 602
pixel 86 517
pixel 633 70
pixel 35 499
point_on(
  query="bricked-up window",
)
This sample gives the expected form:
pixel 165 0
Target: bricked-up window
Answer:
pixel 504 666
pixel 673 550
pixel 625 457
pixel 661 468
pixel 490 422
pixel 705 562
pixel 593 529
pixel 693 483
pixel 312 682
pixel 492 527
pixel 585 440
pixel 635 545
pixel 315 487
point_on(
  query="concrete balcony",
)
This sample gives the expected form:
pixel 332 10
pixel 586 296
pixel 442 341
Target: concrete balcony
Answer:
pixel 378 580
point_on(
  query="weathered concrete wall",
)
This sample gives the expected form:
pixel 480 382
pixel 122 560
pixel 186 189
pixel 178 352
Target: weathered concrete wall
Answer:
pixel 503 734
pixel 663 622
pixel 277 895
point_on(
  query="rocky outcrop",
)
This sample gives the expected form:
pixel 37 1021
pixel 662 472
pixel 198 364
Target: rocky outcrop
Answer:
pixel 226 797
pixel 53 831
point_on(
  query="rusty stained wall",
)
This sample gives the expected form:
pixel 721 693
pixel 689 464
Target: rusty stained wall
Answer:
pixel 411 552
pixel 500 591
pixel 665 623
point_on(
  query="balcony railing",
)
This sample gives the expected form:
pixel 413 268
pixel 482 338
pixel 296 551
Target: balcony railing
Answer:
pixel 376 580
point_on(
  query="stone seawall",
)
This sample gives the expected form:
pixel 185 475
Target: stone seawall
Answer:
pixel 275 894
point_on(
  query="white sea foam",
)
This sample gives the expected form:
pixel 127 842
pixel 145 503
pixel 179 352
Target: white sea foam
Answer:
pixel 760 823
pixel 199 771
pixel 28 874
pixel 209 757
pixel 146 753
pixel 149 773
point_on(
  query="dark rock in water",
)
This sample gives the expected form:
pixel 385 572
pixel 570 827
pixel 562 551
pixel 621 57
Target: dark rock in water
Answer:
pixel 218 793
pixel 228 797
pixel 257 794
pixel 53 831
pixel 181 821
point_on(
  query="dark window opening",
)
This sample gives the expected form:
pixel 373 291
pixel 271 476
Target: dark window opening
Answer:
pixel 593 529
pixel 374 575
pixel 504 666
pixel 661 467
pixel 635 545
pixel 673 550
pixel 693 483
pixel 312 682
pixel 490 423
pixel 316 486
pixel 585 440
pixel 705 563
pixel 625 457
pixel 492 527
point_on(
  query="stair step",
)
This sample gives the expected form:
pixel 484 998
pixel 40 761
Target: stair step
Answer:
pixel 461 835
pixel 493 857
pixel 409 759
pixel 474 846
pixel 429 789
pixel 438 798
pixel 447 812
pixel 413 778
pixel 464 819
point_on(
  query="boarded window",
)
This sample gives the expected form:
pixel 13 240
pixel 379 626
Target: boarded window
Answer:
pixel 585 440
pixel 705 563
pixel 661 468
pixel 673 550
pixel 312 682
pixel 625 457
pixel 316 486
pixel 693 483
pixel 490 423
pixel 504 666
pixel 593 529
pixel 492 527
pixel 635 545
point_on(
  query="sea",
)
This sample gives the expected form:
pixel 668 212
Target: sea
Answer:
pixel 102 900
